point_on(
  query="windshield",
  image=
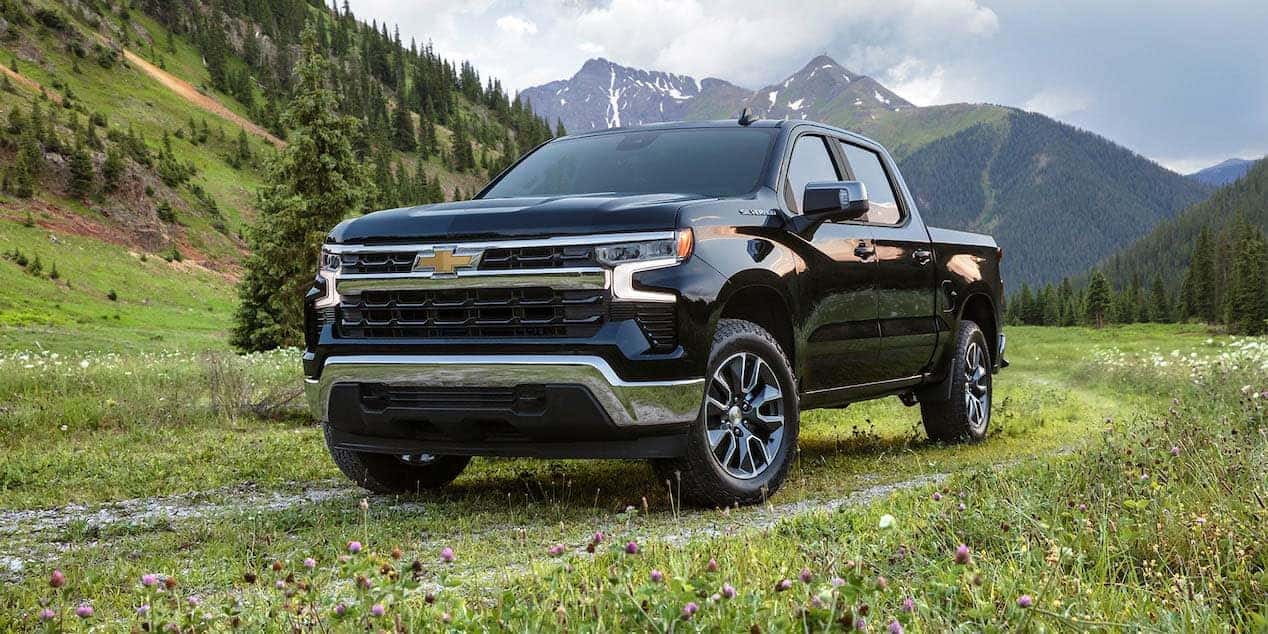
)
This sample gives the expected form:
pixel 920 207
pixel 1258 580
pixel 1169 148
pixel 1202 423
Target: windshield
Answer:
pixel 704 161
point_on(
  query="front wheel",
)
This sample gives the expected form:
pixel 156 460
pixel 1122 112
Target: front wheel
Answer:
pixel 388 473
pixel 741 446
pixel 966 416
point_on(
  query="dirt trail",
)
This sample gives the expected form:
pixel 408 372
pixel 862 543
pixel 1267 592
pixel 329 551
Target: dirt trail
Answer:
pixel 31 83
pixel 191 94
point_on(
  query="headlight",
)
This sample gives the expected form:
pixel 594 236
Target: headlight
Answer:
pixel 678 248
pixel 629 258
pixel 328 266
pixel 329 261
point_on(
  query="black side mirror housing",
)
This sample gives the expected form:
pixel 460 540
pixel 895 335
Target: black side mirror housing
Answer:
pixel 836 200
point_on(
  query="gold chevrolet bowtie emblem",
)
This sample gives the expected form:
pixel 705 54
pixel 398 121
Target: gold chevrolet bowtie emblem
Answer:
pixel 444 262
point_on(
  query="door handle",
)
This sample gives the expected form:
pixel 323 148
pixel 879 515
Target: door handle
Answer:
pixel 922 256
pixel 863 250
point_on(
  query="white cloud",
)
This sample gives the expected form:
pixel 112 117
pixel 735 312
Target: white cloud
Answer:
pixel 516 25
pixel 1058 102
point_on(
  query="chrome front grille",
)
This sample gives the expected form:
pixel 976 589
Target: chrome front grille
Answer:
pixel 371 263
pixel 474 312
pixel 496 259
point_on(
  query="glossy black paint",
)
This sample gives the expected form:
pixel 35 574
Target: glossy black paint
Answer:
pixel 864 310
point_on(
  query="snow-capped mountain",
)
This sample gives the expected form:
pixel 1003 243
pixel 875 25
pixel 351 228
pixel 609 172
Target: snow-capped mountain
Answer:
pixel 607 95
pixel 604 94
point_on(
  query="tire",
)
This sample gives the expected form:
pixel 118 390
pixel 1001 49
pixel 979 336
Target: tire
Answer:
pixel 966 416
pixel 731 427
pixel 387 473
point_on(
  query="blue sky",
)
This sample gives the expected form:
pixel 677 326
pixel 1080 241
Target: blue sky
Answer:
pixel 1184 83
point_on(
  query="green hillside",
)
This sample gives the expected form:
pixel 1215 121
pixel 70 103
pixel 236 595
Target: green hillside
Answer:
pixel 1055 197
pixel 1168 250
pixel 134 135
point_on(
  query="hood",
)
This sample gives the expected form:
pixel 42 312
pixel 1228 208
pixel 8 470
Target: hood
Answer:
pixel 512 218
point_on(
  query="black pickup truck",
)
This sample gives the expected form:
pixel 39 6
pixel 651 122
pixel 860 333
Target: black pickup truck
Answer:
pixel 675 292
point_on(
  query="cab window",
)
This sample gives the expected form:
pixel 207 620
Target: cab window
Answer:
pixel 867 167
pixel 811 161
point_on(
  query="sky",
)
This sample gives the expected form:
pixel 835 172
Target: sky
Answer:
pixel 1183 83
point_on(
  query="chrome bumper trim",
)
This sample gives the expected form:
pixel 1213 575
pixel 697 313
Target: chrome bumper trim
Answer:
pixel 627 403
pixel 569 278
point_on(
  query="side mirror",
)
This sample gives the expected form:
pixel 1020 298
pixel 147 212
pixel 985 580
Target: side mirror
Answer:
pixel 843 200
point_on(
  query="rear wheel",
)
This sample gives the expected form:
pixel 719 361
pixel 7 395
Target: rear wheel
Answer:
pixel 742 444
pixel 967 414
pixel 389 473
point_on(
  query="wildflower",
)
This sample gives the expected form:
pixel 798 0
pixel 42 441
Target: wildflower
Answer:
pixel 83 611
pixel 783 584
pixel 881 583
pixel 84 364
pixel 193 601
pixel 57 579
pixel 354 547
pixel 142 610
pixel 47 614
pixel 556 550
pixel 712 566
pixel 396 553
pixel 1082 507
pixel 961 507
pixel 631 548
pixel 728 591
pixel 689 609
pixel 837 582
pixel 937 497
pixel 149 580
pixel 377 609
pixel 895 627
pixel 657 576
pixel 860 624
pixel 805 575
pixel 446 555
pixel 598 537
pixel 1025 601
pixel 962 555
pixel 908 605
pixel 340 609
pixel 1175 451
pixel 310 563
pixel 887 521
pixel 279 584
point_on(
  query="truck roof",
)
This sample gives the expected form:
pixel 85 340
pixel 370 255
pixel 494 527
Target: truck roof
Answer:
pixel 722 123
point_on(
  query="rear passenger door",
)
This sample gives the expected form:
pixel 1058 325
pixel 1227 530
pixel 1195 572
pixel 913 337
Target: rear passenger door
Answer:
pixel 905 271
pixel 837 285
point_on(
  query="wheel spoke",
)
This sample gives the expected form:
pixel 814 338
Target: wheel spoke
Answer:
pixel 750 380
pixel 761 451
pixel 716 404
pixel 716 436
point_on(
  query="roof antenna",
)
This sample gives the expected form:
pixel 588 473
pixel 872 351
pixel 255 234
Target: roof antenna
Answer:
pixel 747 117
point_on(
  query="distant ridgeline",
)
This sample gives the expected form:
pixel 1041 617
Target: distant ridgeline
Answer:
pixel 1209 264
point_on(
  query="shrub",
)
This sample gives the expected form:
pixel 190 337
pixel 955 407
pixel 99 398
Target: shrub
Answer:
pixel 112 295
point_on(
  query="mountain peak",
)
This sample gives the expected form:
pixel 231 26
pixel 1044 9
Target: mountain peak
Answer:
pixel 823 62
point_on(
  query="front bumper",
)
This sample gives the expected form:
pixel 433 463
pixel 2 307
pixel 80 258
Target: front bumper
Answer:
pixel 494 404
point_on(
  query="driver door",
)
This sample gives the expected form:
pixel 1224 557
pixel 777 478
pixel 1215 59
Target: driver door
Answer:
pixel 838 284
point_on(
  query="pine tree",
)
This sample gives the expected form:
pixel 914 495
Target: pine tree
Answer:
pixel 111 170
pixel 1248 293
pixel 27 166
pixel 1097 304
pixel 1202 278
pixel 313 183
pixel 559 128
pixel 81 173
pixel 404 138
pixel 243 154
pixel 1159 304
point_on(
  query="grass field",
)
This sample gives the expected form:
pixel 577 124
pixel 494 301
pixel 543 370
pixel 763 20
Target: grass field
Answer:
pixel 1076 501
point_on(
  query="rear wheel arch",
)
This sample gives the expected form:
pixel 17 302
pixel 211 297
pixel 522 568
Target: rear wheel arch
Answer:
pixel 980 309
